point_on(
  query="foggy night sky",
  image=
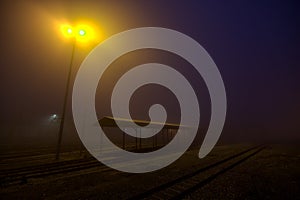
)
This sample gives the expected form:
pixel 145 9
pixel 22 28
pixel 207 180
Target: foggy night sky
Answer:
pixel 255 45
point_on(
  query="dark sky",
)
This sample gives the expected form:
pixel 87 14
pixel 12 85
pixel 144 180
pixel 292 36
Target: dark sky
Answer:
pixel 255 45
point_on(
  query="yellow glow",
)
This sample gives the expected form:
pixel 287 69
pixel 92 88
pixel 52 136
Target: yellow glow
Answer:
pixel 67 31
pixel 83 33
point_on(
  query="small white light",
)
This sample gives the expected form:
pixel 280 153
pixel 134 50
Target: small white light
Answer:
pixel 81 32
pixel 69 31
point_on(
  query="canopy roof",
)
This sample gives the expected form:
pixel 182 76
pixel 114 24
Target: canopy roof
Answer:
pixel 111 122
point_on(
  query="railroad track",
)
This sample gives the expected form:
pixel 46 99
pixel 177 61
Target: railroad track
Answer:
pixel 48 151
pixel 31 153
pixel 14 155
pixel 23 175
pixel 177 188
pixel 187 184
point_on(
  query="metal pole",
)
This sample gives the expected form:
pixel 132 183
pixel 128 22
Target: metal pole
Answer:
pixel 167 134
pixel 163 136
pixel 136 139
pixel 153 141
pixel 61 127
pixel 123 140
pixel 140 138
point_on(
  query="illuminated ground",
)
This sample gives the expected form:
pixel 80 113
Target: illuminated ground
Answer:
pixel 273 173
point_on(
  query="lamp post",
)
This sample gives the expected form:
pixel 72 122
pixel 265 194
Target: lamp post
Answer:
pixel 76 34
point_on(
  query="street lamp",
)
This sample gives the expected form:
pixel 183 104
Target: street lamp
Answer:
pixel 53 117
pixel 81 33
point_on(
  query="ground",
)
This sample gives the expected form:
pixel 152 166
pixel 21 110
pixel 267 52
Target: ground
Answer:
pixel 272 173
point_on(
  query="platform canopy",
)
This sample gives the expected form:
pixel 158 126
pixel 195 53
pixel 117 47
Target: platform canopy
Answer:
pixel 108 121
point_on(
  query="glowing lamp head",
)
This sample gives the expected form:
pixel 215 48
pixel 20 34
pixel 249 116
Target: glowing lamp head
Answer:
pixel 84 33
pixel 54 117
pixel 81 32
pixel 69 31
